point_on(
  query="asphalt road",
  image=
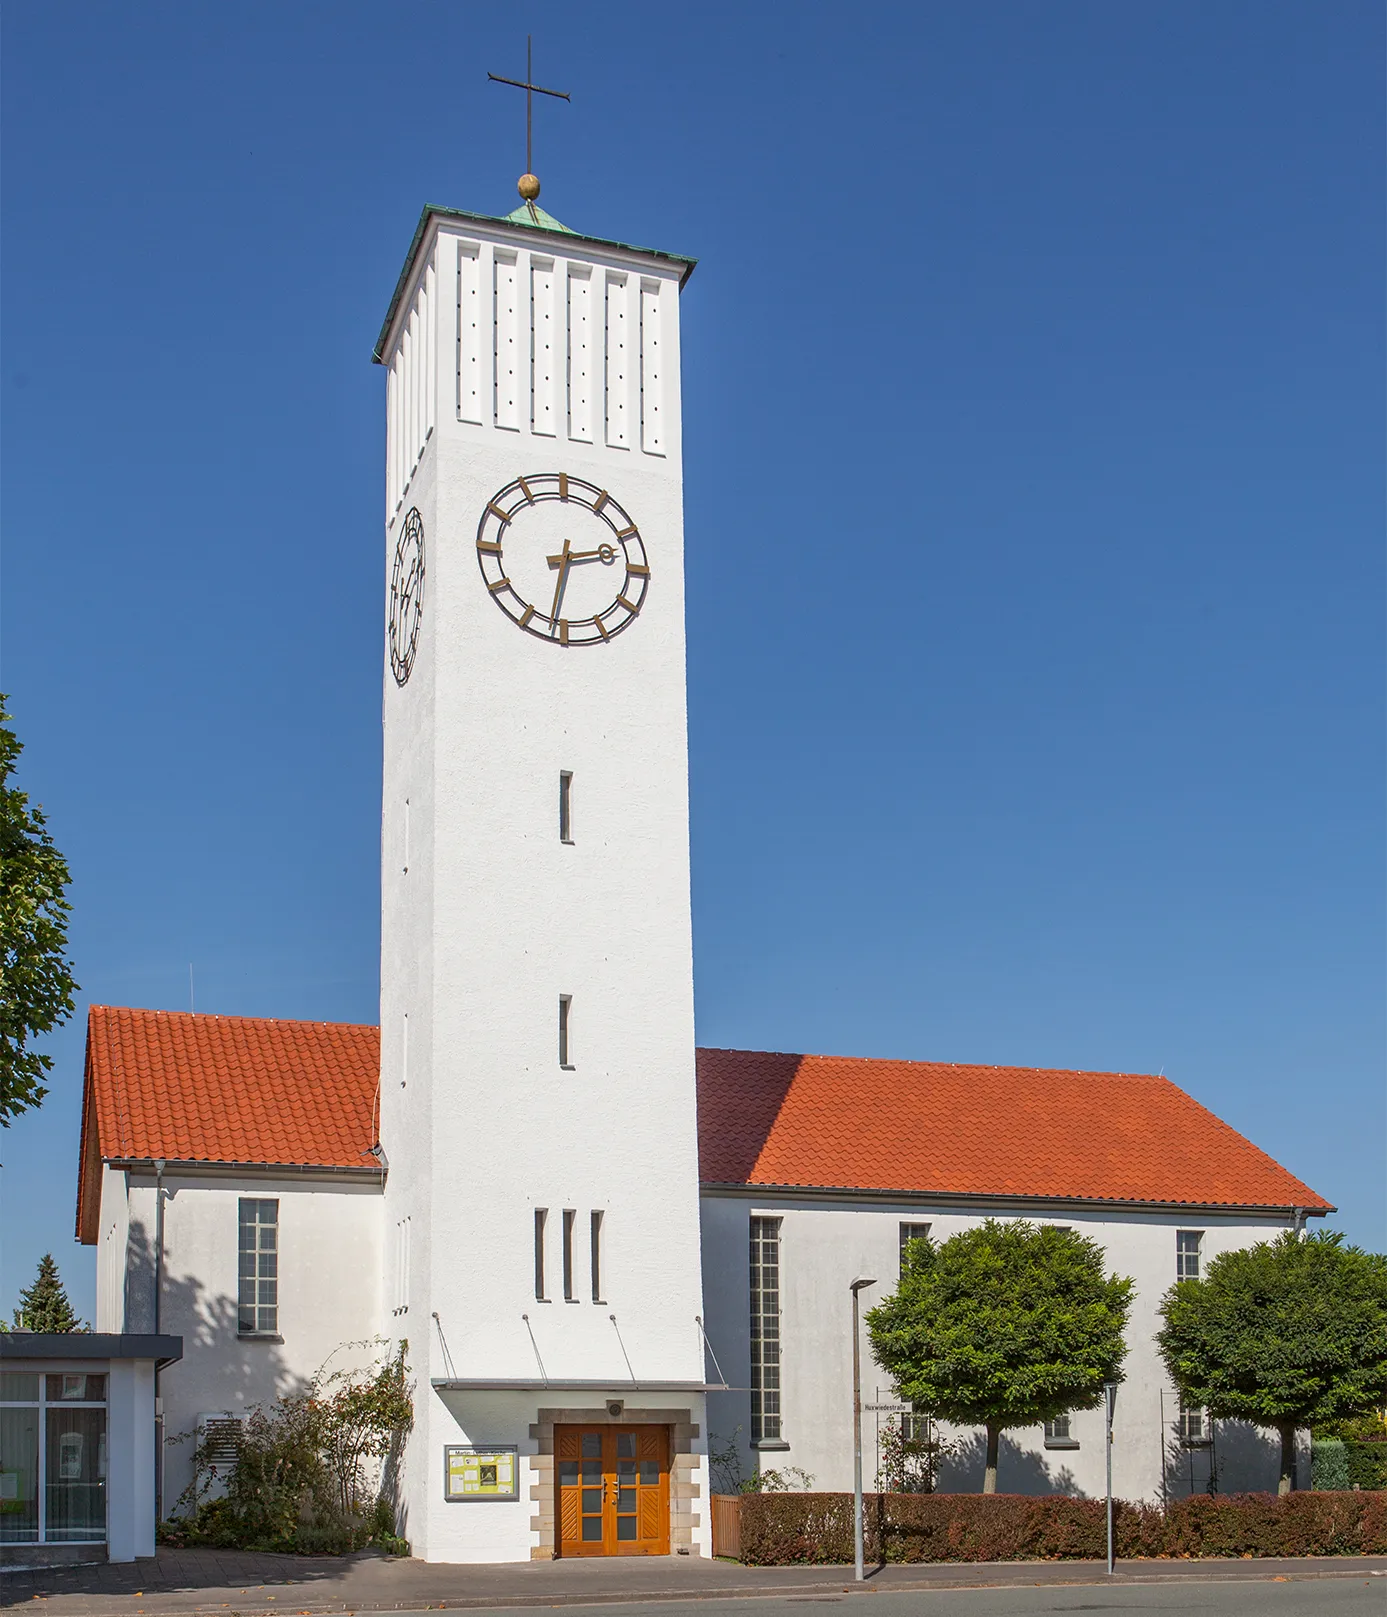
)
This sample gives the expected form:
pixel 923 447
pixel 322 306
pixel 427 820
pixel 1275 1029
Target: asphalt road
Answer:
pixel 1312 1597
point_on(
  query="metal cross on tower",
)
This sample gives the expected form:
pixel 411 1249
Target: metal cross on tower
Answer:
pixel 529 185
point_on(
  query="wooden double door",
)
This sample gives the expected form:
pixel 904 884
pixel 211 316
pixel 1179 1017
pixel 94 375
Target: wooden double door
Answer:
pixel 613 1490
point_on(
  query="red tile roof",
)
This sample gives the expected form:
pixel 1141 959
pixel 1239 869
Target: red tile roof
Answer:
pixel 240 1089
pixel 932 1128
pixel 223 1089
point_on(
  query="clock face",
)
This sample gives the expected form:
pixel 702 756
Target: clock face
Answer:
pixel 406 596
pixel 562 559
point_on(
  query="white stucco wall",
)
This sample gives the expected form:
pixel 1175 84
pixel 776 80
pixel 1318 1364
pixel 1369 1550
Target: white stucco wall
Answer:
pixel 113 1232
pixel 827 1244
pixel 329 1293
pixel 130 1449
pixel 487 917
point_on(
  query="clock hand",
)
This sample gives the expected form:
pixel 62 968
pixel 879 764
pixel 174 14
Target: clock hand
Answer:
pixel 603 553
pixel 563 562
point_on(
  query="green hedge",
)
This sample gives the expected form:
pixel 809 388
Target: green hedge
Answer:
pixel 1328 1464
pixel 781 1529
pixel 1367 1464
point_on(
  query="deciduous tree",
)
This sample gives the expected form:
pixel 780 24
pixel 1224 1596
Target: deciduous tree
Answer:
pixel 1288 1333
pixel 1005 1325
pixel 36 987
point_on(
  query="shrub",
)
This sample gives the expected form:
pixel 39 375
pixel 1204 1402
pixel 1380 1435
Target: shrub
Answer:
pixel 781 1529
pixel 1328 1465
pixel 311 1470
pixel 1367 1464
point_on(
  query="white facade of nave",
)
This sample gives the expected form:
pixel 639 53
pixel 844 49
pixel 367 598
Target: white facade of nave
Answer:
pixel 331 1246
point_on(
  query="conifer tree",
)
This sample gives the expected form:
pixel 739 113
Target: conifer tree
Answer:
pixel 44 1305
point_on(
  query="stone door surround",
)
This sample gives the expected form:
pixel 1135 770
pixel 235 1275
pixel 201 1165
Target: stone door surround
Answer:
pixel 683 1470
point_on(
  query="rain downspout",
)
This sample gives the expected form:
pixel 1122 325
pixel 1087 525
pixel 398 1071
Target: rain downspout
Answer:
pixel 159 1167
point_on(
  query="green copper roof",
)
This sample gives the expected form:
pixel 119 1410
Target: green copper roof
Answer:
pixel 529 214
pixel 527 218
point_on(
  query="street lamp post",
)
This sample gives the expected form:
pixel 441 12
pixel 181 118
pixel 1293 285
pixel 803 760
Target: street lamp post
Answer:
pixel 1109 1403
pixel 858 1568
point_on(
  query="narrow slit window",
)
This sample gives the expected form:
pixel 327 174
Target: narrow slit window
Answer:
pixel 595 1238
pixel 565 805
pixel 565 1023
pixel 541 1216
pixel 569 1218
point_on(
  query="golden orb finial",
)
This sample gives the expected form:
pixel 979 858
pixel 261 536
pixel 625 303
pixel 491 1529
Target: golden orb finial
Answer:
pixel 528 187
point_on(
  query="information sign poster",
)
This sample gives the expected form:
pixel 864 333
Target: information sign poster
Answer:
pixel 475 1473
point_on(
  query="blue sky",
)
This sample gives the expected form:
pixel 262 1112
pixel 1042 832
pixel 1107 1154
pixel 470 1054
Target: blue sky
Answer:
pixel 1034 428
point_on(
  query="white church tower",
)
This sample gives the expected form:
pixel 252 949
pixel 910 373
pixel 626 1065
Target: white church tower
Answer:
pixel 537 1109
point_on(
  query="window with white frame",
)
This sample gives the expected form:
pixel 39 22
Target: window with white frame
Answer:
pixel 916 1425
pixel 1190 1426
pixel 765 1330
pixel 909 1233
pixel 258 1302
pixel 52 1457
pixel 1058 1434
pixel 1187 1244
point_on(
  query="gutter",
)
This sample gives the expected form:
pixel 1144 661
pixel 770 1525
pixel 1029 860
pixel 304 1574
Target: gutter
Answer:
pixel 928 1198
pixel 220 1167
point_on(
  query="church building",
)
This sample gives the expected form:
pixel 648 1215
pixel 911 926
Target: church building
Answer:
pixel 614 1257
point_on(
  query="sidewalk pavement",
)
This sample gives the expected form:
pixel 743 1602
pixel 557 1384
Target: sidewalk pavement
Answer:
pixel 197 1583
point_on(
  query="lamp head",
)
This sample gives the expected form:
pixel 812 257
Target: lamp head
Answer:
pixel 859 1284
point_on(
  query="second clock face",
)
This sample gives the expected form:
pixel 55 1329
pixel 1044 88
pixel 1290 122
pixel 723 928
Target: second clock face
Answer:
pixel 562 559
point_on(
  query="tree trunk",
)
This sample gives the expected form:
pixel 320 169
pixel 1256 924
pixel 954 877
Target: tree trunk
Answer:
pixel 1287 1482
pixel 989 1477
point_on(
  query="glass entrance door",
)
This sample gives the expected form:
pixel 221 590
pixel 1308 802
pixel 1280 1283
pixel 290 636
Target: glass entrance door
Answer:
pixel 613 1490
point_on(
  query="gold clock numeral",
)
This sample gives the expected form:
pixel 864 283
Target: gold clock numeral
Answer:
pixel 499 585
pixel 525 490
pixel 602 628
pixel 496 510
pixel 634 568
pixel 563 631
pixel 526 615
pixel 630 606
pixel 563 485
pixel 602 499
pixel 625 533
pixel 488 548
